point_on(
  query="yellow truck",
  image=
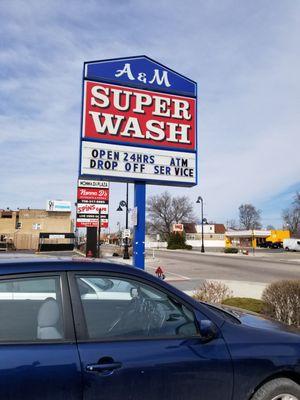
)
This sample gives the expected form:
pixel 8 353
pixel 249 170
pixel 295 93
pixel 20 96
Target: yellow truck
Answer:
pixel 275 239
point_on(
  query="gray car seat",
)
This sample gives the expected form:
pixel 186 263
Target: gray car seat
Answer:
pixel 47 320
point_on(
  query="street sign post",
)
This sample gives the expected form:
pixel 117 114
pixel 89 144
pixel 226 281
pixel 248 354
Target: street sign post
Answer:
pixel 138 125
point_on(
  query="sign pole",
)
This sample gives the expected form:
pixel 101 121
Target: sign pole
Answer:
pixel 99 233
pixel 140 229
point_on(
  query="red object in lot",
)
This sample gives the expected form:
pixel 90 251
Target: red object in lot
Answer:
pixel 160 273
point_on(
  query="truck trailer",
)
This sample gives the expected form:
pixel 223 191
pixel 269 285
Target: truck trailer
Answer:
pixel 291 244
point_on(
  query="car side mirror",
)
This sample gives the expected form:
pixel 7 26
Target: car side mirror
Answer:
pixel 208 330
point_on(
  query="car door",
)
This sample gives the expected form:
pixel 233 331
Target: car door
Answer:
pixel 139 342
pixel 38 352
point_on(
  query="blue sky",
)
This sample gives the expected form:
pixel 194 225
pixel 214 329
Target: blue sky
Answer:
pixel 244 55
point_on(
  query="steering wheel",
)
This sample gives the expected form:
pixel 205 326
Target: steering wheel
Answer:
pixel 143 314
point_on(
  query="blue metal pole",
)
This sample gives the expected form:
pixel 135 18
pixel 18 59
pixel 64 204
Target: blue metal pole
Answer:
pixel 140 229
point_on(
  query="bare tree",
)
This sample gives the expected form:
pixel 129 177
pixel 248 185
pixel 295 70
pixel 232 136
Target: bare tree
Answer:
pixel 270 228
pixel 164 211
pixel 231 224
pixel 249 217
pixel 291 216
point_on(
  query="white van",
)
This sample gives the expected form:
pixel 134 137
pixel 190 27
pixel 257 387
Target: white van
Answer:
pixel 291 244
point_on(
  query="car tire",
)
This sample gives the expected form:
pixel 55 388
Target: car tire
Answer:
pixel 278 389
pixel 286 249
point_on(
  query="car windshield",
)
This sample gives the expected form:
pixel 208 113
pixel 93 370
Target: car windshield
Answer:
pixel 226 313
pixel 101 283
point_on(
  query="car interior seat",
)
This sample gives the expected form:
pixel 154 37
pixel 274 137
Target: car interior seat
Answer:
pixel 47 320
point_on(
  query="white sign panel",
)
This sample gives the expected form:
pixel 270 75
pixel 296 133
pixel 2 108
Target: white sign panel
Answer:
pixel 126 233
pixel 92 208
pixel 134 216
pixel 109 160
pixel 55 236
pixel 58 205
pixel 87 183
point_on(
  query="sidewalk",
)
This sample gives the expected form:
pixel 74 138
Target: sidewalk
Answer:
pixel 280 257
pixel 241 288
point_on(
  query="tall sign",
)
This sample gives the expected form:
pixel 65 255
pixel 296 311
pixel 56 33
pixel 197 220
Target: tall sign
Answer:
pixel 92 198
pixel 138 125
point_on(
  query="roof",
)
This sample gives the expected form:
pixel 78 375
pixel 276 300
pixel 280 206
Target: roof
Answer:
pixel 249 233
pixel 219 228
pixel 190 228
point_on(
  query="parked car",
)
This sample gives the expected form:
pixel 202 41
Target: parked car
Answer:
pixel 87 331
pixel 291 244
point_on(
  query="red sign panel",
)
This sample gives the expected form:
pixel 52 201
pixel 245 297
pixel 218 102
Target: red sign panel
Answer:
pixel 177 227
pixel 92 195
pixel 90 223
pixel 128 115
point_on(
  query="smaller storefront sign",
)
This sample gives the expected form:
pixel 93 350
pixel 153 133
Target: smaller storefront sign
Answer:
pixel 92 199
pixel 177 227
pixel 57 236
pixel 58 205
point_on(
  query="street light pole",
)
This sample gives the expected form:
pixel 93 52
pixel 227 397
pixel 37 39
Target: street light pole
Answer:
pixel 126 247
pixel 125 204
pixel 119 233
pixel 200 200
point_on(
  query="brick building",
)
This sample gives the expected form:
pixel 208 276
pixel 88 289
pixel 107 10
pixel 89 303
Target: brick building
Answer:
pixel 21 228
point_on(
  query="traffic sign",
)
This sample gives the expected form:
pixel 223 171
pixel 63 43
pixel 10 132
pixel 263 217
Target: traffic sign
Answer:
pixel 126 233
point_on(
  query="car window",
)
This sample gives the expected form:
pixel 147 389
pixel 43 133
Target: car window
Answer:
pixel 30 309
pixel 130 309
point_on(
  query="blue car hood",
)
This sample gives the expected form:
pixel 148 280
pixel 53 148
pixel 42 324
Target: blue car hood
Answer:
pixel 257 321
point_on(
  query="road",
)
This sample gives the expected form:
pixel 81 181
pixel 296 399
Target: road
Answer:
pixel 195 267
